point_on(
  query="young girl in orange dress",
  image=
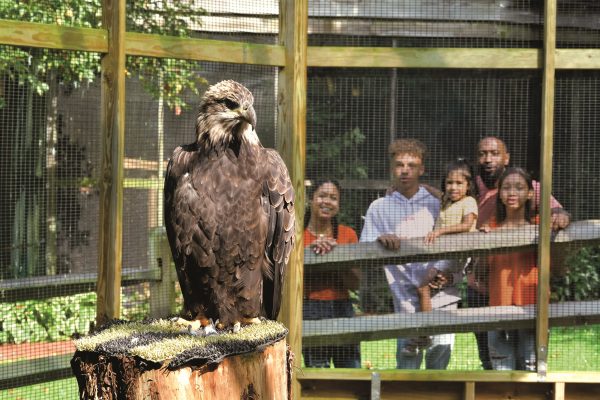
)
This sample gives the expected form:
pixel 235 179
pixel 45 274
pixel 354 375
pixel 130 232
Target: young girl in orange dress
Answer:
pixel 326 294
pixel 513 277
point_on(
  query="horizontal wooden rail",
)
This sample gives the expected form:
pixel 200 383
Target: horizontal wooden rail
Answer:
pixel 29 34
pixel 378 327
pixel 20 33
pixel 451 246
pixel 29 372
pixel 356 374
pixel 41 287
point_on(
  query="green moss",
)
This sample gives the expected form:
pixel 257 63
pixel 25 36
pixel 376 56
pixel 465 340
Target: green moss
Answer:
pixel 161 340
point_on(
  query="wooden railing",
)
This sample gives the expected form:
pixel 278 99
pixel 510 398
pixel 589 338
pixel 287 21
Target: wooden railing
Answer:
pixel 339 330
pixel 373 255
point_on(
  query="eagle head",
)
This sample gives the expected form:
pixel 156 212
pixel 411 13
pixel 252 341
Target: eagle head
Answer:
pixel 226 112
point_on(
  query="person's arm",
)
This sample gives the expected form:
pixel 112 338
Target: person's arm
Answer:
pixel 464 226
pixel 425 297
pixel 560 218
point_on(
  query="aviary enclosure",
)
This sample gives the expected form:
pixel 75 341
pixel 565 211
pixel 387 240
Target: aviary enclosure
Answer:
pixel 94 96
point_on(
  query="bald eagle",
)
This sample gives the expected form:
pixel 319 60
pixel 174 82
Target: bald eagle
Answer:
pixel 229 215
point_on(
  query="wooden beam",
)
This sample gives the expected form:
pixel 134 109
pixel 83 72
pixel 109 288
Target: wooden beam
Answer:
pixel 110 238
pixel 469 393
pixel 43 287
pixel 389 57
pixel 559 391
pixel 424 375
pixel 546 149
pixel 29 372
pixel 30 34
pixel 18 33
pixel 377 327
pixel 291 143
pixel 147 45
pixel 462 244
pixel 577 59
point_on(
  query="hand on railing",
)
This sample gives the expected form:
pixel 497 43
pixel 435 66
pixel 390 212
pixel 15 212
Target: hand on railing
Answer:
pixel 323 245
pixel 389 241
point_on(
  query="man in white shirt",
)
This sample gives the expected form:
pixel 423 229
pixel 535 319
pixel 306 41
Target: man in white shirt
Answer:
pixel 407 212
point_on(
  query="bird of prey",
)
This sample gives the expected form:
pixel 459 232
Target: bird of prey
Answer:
pixel 229 215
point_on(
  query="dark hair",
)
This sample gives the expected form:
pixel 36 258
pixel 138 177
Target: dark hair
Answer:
pixel 407 146
pixel 316 184
pixel 500 207
pixel 460 164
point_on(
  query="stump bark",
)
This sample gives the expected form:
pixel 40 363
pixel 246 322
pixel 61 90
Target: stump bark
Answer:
pixel 261 375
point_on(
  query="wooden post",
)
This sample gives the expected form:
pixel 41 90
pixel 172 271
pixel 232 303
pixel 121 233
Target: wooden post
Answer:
pixel 258 375
pixel 546 148
pixel 291 143
pixel 111 177
pixel 162 298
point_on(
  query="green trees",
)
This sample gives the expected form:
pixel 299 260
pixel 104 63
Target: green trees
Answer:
pixel 30 79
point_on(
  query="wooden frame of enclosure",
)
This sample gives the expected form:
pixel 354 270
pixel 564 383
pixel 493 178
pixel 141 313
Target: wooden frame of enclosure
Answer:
pixel 293 56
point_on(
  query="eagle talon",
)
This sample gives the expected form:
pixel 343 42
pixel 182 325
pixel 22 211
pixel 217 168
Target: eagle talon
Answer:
pixel 195 332
pixel 237 327
pixel 251 321
pixel 210 330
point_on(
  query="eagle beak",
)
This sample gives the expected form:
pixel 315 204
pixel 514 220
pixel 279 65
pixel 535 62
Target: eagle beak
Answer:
pixel 249 115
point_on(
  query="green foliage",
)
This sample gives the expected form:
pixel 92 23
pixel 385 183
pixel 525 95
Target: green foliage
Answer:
pixel 171 78
pixel 582 279
pixel 58 318
pixel 337 155
pixel 61 318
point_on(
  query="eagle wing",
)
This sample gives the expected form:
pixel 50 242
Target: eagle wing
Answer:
pixel 186 239
pixel 278 203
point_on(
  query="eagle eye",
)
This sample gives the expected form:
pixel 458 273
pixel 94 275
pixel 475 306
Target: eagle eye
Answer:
pixel 232 105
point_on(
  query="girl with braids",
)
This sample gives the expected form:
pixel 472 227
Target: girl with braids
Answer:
pixel 326 294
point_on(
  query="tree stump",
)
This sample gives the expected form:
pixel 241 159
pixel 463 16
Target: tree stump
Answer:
pixel 264 373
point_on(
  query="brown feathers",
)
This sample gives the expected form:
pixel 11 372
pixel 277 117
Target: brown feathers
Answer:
pixel 229 213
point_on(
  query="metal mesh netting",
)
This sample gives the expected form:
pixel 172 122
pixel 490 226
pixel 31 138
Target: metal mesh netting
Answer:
pixel 67 13
pixel 575 280
pixel 248 21
pixel 577 24
pixel 49 199
pixel 352 117
pixel 150 141
pixel 409 23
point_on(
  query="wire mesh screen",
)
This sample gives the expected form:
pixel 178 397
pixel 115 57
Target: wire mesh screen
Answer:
pixel 575 280
pixel 353 116
pixel 250 21
pixel 155 128
pixel 68 13
pixel 410 23
pixel 405 169
pixel 577 24
pixel 50 144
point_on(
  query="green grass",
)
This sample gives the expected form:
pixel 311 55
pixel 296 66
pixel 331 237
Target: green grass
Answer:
pixel 64 389
pixel 574 349
pixel 382 354
pixel 571 349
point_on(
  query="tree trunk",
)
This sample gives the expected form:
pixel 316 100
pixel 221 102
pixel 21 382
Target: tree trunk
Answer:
pixel 258 375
